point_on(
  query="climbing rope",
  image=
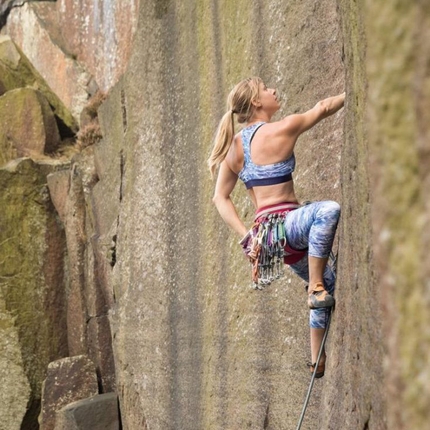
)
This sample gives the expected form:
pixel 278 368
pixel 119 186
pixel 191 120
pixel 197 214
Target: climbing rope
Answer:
pixel 308 395
pixel 333 264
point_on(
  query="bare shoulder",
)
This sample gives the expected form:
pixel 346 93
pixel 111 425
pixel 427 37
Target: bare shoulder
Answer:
pixel 285 126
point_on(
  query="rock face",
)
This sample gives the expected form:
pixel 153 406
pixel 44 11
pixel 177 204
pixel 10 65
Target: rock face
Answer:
pixel 15 390
pixel 97 33
pixel 28 126
pixel 95 413
pixel 194 346
pixel 398 113
pixel 7 5
pixel 17 72
pixel 352 399
pixel 68 380
pixel 34 27
pixel 157 283
pixel 32 282
pixel 88 330
pixel 100 34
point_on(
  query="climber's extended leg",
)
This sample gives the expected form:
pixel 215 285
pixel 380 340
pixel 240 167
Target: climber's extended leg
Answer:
pixel 313 226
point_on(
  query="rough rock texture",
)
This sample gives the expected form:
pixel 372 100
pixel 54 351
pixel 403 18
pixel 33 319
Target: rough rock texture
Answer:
pixel 15 388
pixel 67 380
pixel 16 72
pixel 34 27
pixel 28 126
pixel 96 33
pixel 352 399
pixel 100 35
pixel 58 184
pixel 88 328
pixel 32 276
pixel 194 347
pixel 95 413
pixel 398 114
pixel 7 5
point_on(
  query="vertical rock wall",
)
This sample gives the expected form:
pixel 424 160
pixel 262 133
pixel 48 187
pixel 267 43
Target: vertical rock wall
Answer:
pixel 16 389
pixel 46 314
pixel 398 65
pixel 382 342
pixel 352 399
pixel 155 273
pixel 194 347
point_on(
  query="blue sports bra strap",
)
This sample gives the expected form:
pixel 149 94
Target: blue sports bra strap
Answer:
pixel 246 143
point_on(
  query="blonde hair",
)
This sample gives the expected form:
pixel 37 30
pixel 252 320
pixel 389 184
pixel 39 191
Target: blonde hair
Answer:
pixel 239 102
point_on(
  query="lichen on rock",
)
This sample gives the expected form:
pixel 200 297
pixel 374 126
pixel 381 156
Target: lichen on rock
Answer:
pixel 18 73
pixel 28 126
pixel 15 391
pixel 33 280
pixel 35 28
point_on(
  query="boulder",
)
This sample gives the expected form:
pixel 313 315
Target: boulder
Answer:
pixel 34 27
pixel 28 127
pixel 95 413
pixel 67 380
pixel 33 280
pixel 16 71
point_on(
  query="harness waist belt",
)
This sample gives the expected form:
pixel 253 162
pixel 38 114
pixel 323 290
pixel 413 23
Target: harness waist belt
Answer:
pixel 276 208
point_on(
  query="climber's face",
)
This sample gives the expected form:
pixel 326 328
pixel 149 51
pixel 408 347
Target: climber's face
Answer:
pixel 267 99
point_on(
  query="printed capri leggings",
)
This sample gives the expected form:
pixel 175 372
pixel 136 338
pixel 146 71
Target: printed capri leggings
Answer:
pixel 313 226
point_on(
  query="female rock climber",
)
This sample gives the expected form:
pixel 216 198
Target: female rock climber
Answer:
pixel 304 233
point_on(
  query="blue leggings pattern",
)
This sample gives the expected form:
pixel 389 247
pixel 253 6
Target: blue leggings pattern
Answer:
pixel 314 226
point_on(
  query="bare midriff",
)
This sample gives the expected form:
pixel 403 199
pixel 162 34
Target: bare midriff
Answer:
pixel 273 194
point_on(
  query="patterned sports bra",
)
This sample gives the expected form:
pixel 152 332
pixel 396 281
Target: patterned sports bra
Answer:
pixel 259 175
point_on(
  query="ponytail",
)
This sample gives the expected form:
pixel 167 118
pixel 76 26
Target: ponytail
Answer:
pixel 239 102
pixel 222 142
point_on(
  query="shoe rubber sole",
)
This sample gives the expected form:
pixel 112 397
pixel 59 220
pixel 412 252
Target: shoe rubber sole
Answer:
pixel 314 303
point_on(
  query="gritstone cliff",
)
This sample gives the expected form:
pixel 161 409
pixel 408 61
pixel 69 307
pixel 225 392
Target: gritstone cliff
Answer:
pixel 150 286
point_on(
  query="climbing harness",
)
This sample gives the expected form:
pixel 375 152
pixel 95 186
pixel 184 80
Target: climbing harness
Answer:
pixel 266 245
pixel 333 264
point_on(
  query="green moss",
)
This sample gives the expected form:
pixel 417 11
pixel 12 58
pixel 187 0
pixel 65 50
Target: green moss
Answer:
pixel 393 60
pixel 24 74
pixel 28 126
pixel 26 223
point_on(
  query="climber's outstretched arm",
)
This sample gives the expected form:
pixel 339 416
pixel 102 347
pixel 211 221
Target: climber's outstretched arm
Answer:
pixel 297 124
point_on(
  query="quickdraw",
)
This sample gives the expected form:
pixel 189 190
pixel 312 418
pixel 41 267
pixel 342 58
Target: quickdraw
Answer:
pixel 271 240
pixel 266 244
pixel 266 247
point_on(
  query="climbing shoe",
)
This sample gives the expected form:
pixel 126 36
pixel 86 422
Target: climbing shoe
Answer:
pixel 319 297
pixel 320 369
